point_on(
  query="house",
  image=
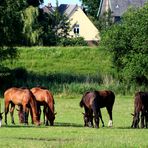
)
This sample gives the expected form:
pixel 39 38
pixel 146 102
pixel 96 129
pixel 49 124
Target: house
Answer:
pixel 80 24
pixel 118 7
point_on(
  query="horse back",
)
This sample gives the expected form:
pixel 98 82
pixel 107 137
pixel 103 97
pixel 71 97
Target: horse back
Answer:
pixel 17 95
pixel 105 98
pixel 43 96
pixel 141 101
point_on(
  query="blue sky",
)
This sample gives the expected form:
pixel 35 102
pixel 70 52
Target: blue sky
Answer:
pixel 53 2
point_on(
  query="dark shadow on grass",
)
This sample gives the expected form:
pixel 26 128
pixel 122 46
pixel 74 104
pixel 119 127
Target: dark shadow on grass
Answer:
pixel 19 126
pixel 125 127
pixel 57 124
pixel 63 124
pixel 39 139
pixel 20 77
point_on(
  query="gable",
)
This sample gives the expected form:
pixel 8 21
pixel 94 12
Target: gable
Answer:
pixel 86 28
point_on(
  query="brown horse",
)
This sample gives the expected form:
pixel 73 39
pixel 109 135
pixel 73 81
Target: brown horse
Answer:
pixel 21 97
pixel 45 98
pixel 140 107
pixel 92 102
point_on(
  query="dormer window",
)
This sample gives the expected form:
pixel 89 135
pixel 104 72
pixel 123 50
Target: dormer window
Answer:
pixel 117 6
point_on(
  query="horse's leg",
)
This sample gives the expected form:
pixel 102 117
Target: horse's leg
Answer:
pixel 91 118
pixel 39 112
pixel 146 120
pixel 6 111
pixel 96 111
pixel 136 119
pixel 87 117
pixel 25 111
pixel 32 122
pixel 142 119
pixel 100 115
pixel 44 110
pixel 45 114
pixel 109 109
pixel 12 112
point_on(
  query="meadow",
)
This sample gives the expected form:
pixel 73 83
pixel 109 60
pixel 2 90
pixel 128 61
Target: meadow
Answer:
pixel 68 73
pixel 69 131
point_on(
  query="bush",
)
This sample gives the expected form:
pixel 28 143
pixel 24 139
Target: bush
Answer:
pixel 128 43
pixel 79 41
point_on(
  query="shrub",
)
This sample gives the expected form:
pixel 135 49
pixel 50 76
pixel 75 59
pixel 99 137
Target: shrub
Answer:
pixel 79 41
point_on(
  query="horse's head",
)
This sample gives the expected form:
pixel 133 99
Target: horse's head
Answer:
pixel 20 114
pixel 88 120
pixel 50 116
pixel 1 117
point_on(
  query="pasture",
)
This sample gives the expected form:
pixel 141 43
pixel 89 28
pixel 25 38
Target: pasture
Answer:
pixel 68 73
pixel 69 131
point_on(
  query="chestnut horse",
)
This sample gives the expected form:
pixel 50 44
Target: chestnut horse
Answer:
pixel 45 98
pixel 21 97
pixel 140 106
pixel 92 101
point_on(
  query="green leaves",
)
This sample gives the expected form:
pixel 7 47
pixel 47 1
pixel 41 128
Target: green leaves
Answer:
pixel 128 42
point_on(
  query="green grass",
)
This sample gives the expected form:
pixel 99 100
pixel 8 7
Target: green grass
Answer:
pixel 69 131
pixel 61 69
pixel 76 60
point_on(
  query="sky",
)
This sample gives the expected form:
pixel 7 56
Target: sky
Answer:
pixel 53 2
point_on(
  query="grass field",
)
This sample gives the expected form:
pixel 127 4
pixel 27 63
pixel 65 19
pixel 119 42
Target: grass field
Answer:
pixel 70 69
pixel 68 72
pixel 69 131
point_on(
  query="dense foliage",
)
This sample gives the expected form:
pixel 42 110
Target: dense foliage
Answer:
pixel 91 7
pixel 128 42
pixel 11 26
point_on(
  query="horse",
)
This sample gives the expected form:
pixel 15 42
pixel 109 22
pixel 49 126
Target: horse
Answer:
pixel 21 97
pixel 45 98
pixel 140 107
pixel 92 101
pixel 1 117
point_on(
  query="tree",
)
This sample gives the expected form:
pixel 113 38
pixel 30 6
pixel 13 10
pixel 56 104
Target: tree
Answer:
pixel 31 29
pixel 128 42
pixel 91 7
pixel 11 26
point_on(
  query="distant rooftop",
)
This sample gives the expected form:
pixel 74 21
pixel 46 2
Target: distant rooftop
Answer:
pixel 118 7
pixel 67 9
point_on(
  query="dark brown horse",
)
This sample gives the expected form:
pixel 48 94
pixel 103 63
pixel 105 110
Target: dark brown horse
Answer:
pixel 45 98
pixel 92 101
pixel 140 109
pixel 21 97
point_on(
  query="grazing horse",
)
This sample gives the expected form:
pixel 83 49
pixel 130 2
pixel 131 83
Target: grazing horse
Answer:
pixel 140 107
pixel 1 117
pixel 21 97
pixel 45 98
pixel 92 101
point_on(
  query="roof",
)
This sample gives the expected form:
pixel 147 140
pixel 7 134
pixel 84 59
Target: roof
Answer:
pixel 118 7
pixel 67 9
pixel 63 9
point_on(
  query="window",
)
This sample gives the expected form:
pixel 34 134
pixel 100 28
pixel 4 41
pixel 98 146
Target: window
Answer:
pixel 76 30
